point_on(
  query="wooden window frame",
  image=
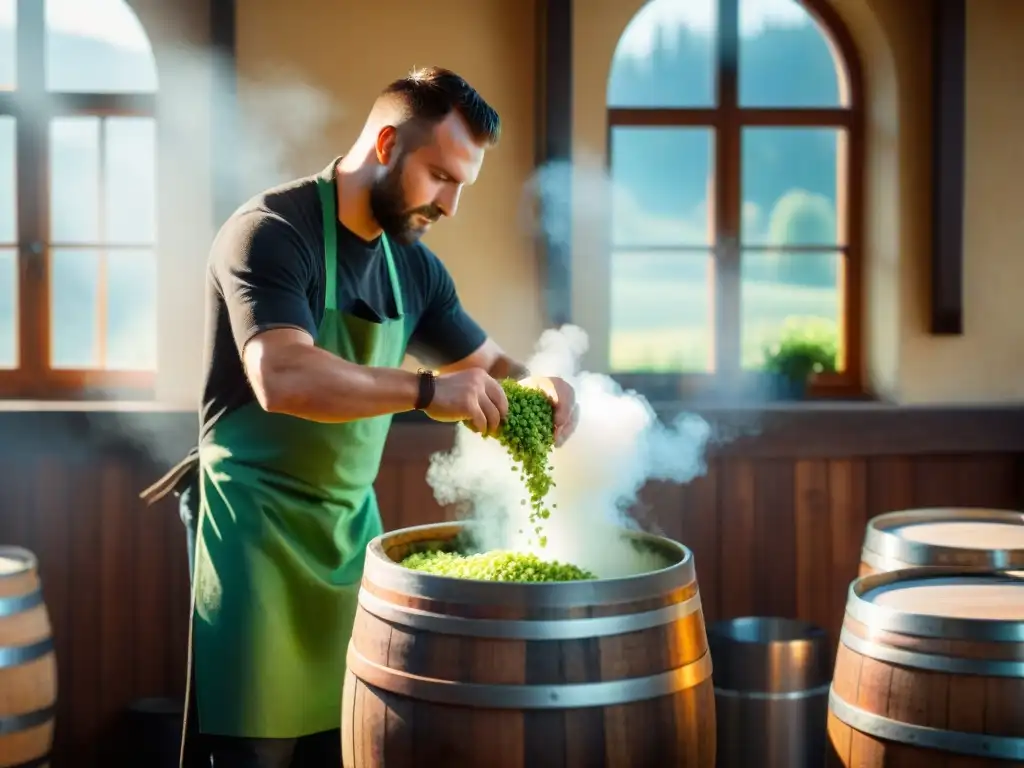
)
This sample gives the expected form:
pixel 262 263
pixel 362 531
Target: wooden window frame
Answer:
pixel 33 107
pixel 727 120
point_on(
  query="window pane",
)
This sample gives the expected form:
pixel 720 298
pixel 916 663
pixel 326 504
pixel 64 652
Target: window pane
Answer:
pixel 74 179
pixel 97 46
pixel 8 180
pixel 8 308
pixel 129 177
pixel 8 44
pixel 131 310
pixel 661 179
pixel 661 312
pixel 791 180
pixel 74 303
pixel 785 58
pixel 783 291
pixel 666 56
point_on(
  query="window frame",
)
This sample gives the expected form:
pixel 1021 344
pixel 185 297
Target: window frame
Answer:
pixel 726 120
pixel 33 107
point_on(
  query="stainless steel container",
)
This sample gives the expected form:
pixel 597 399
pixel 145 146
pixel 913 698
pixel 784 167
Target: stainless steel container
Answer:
pixel 772 679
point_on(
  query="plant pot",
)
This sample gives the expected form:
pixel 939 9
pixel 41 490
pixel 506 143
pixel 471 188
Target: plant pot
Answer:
pixel 785 388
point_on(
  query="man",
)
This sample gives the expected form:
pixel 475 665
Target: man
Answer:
pixel 316 290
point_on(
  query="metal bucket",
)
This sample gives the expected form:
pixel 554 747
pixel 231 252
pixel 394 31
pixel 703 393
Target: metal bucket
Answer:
pixel 772 680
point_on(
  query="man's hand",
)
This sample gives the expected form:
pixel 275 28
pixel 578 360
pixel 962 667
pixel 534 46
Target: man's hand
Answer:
pixel 563 398
pixel 472 396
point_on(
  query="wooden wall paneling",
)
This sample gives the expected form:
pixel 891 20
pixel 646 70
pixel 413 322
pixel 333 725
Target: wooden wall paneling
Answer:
pixel 175 595
pixel 83 681
pixel 659 510
pixel 419 507
pixel 890 485
pixel 52 539
pixel 700 531
pixel 847 495
pixel 389 495
pixel 966 480
pixel 813 542
pixel 774 563
pixel 117 561
pixel 739 592
pixel 153 587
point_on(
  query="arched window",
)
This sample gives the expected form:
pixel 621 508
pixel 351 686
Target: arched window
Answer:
pixel 77 199
pixel 734 150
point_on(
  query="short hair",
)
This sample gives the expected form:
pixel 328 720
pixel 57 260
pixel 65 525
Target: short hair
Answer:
pixel 428 95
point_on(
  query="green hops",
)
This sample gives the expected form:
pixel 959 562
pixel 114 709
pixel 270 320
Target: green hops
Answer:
pixel 528 434
pixel 497 565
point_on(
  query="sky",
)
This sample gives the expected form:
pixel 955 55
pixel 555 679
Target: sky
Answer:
pixel 701 16
pixel 113 21
pixel 110 20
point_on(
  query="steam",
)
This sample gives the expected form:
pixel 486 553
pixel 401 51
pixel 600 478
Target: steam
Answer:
pixel 618 446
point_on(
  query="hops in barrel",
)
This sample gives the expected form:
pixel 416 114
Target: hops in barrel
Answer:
pixel 495 566
pixel 527 433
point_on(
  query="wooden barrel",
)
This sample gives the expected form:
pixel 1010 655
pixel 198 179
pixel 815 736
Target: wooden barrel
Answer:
pixel 28 667
pixel 950 536
pixel 454 672
pixel 930 671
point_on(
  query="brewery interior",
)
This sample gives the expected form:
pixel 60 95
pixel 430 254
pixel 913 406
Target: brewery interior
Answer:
pixel 697 185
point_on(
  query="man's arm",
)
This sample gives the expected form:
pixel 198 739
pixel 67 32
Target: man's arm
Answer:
pixel 448 338
pixel 264 270
pixel 493 359
pixel 457 344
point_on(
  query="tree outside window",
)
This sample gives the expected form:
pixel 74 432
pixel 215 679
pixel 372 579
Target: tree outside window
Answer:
pixel 734 133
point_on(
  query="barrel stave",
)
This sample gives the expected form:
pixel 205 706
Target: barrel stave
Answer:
pixel 486 660
pixel 922 670
pixel 388 729
pixel 28 686
pixel 425 648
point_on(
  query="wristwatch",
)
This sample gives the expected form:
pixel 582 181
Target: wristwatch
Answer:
pixel 426 393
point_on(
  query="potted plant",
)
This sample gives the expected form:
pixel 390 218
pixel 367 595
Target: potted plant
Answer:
pixel 807 346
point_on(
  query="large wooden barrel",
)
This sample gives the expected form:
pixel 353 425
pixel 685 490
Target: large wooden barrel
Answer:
pixel 945 536
pixel 461 673
pixel 930 671
pixel 28 667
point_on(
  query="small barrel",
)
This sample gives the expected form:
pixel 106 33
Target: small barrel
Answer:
pixel 958 537
pixel 771 692
pixel 930 671
pixel 28 666
pixel 456 672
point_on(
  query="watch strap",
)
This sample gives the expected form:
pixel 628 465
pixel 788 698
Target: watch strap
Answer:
pixel 425 397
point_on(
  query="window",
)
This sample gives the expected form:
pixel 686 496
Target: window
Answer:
pixel 734 144
pixel 77 200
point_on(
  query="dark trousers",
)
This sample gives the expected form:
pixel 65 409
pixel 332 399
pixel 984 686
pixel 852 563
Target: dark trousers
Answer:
pixel 319 750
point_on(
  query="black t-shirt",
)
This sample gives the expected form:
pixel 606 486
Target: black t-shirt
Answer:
pixel 266 270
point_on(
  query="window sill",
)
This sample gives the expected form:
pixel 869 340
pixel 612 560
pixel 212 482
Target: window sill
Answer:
pixel 93 406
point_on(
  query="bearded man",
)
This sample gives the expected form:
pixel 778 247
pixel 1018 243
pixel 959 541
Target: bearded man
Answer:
pixel 316 291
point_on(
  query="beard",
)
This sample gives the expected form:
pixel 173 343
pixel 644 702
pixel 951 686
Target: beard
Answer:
pixel 389 207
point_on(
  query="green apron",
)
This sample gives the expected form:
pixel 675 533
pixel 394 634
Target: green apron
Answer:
pixel 287 509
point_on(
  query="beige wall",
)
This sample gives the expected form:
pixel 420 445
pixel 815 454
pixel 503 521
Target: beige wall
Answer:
pixel 903 362
pixel 308 75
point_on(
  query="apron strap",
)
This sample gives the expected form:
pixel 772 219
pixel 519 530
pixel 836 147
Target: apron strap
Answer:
pixel 396 284
pixel 329 207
